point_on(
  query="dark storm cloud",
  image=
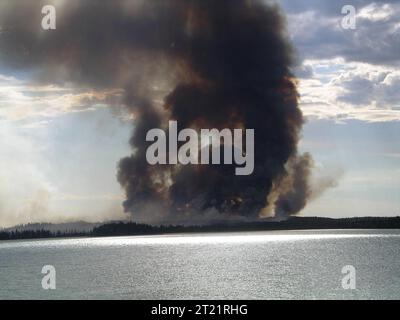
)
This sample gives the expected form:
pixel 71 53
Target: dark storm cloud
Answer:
pixel 206 64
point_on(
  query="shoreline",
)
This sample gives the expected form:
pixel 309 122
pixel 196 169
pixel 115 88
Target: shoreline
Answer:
pixel 296 224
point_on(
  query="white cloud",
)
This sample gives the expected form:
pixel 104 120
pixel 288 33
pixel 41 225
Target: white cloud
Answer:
pixel 342 90
pixel 376 12
pixel 22 101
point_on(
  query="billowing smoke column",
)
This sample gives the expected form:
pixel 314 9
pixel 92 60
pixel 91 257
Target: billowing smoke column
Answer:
pixel 204 63
pixel 235 62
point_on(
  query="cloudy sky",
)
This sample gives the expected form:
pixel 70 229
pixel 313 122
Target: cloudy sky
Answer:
pixel 349 81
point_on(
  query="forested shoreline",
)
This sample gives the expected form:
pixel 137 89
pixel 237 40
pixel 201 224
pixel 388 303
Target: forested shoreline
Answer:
pixel 132 228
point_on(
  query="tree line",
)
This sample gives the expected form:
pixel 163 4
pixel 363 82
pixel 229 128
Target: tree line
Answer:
pixel 132 228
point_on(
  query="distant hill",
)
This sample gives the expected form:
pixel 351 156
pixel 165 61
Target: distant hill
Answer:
pixel 80 229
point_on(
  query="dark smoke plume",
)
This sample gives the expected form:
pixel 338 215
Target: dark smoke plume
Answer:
pixel 204 63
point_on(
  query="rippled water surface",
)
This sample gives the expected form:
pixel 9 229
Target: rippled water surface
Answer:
pixel 256 265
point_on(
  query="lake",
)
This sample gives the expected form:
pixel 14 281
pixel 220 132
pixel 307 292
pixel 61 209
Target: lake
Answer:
pixel 243 265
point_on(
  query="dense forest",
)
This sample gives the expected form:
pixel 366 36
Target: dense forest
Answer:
pixel 36 234
pixel 131 228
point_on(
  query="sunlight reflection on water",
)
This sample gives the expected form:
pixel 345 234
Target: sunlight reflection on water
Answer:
pixel 197 238
pixel 242 265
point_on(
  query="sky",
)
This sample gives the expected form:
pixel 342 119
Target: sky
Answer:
pixel 60 146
